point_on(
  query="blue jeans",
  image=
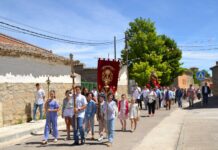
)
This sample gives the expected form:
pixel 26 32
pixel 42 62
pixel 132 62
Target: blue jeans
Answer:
pixel 40 110
pixel 110 127
pixel 89 122
pixel 179 101
pixel 79 127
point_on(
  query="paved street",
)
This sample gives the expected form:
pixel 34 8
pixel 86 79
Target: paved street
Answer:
pixel 123 140
pixel 178 129
pixel 200 128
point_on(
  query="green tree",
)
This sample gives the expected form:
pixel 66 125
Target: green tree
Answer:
pixel 194 70
pixel 149 52
pixel 171 54
pixel 207 75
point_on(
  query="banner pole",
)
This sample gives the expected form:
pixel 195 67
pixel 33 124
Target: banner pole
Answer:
pixel 73 86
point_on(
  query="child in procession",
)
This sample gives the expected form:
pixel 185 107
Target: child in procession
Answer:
pixel 100 117
pixel 123 110
pixel 51 110
pixel 67 111
pixel 90 114
pixel 110 108
pixel 134 114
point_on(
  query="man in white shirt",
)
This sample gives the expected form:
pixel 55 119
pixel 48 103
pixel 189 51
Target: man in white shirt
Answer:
pixel 145 92
pixel 39 101
pixel 81 104
pixel 136 95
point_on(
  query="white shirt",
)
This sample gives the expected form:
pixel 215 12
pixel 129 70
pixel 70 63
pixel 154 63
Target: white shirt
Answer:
pixel 95 93
pixel 80 102
pixel 110 109
pixel 145 93
pixel 39 96
pixel 151 96
pixel 205 89
pixel 137 92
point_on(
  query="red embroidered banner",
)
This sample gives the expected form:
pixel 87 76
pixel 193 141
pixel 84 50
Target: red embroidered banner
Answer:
pixel 108 72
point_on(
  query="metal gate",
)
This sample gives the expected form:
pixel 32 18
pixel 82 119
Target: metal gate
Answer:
pixel 89 85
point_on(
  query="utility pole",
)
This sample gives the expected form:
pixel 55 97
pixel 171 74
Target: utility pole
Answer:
pixel 127 61
pixel 115 48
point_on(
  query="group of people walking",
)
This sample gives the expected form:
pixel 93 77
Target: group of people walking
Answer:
pixel 158 97
pixel 82 114
pixel 91 106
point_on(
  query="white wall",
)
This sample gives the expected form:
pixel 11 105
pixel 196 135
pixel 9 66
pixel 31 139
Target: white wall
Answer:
pixel 122 80
pixel 10 78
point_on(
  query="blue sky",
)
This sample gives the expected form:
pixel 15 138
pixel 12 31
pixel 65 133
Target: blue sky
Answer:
pixel 188 22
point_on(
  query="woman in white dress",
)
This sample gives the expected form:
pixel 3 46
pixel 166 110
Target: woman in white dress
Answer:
pixel 67 111
pixel 133 114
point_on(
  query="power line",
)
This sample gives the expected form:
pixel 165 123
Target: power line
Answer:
pixel 36 34
pixel 197 45
pixel 208 49
pixel 42 30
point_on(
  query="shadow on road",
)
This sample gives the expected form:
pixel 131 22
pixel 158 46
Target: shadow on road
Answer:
pixel 122 131
pixel 65 144
pixel 212 103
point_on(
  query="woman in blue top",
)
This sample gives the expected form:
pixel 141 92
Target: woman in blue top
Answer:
pixel 51 109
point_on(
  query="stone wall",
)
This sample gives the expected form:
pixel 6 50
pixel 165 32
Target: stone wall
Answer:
pixel 16 100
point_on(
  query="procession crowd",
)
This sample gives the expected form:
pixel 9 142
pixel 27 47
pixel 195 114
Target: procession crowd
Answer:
pixel 91 106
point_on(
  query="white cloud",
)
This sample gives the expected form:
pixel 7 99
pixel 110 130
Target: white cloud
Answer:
pixel 196 55
pixel 200 59
pixel 81 19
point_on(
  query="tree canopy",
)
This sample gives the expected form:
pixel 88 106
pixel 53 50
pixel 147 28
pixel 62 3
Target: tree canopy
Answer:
pixel 148 52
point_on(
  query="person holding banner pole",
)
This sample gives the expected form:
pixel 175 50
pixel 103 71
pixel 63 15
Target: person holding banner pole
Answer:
pixel 79 115
pixel 74 99
pixel 51 109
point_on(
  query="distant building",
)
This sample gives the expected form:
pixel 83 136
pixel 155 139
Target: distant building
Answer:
pixel 209 82
pixel 215 79
pixel 184 80
pixel 22 66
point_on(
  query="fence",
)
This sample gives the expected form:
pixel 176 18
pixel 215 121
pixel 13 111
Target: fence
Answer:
pixel 89 85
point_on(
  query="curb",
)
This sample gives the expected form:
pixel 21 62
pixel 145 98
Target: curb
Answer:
pixel 12 134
